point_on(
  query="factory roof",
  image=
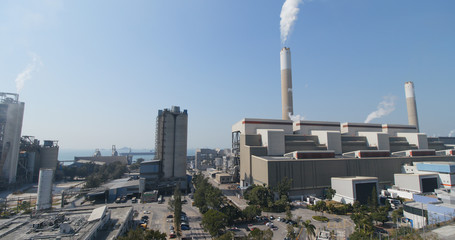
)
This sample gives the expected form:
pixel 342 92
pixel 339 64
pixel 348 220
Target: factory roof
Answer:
pixel 355 178
pixel 122 182
pixel 97 214
pixel 417 174
pixel 418 205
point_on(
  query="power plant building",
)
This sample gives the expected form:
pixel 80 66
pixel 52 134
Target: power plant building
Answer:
pixel 312 152
pixel 11 115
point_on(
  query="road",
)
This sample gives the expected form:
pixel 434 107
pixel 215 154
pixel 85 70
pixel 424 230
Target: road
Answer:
pixel 342 225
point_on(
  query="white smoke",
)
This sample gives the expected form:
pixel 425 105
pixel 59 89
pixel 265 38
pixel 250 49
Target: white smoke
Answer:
pixel 288 15
pixel 296 118
pixel 451 133
pixel 27 73
pixel 385 107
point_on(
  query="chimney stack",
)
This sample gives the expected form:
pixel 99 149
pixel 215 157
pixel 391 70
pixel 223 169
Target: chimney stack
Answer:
pixel 411 104
pixel 286 84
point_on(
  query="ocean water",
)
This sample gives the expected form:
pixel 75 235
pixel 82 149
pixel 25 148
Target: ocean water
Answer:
pixel 69 154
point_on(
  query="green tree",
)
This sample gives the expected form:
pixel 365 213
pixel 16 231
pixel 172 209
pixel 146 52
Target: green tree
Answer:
pixel 291 233
pixel 321 206
pixel 373 199
pixel 283 187
pixel 227 236
pixel 379 216
pixel 214 197
pixel 140 234
pixel 309 228
pixel 288 213
pixel 258 234
pixel 261 196
pixel 214 221
pixel 330 193
pixel 232 214
pixel 175 205
pixel 250 212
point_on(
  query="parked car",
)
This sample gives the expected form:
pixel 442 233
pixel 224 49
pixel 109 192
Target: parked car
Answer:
pixel 185 227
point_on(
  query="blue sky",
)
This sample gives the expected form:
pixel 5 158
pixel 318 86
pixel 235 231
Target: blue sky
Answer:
pixel 100 70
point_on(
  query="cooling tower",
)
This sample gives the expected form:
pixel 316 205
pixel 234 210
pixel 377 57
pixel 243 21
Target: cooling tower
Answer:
pixel 411 104
pixel 286 84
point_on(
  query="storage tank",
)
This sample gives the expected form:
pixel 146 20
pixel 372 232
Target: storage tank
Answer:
pixel 44 200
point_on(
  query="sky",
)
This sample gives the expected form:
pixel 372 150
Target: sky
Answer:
pixel 95 73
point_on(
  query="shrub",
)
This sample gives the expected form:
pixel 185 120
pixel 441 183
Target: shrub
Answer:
pixel 321 218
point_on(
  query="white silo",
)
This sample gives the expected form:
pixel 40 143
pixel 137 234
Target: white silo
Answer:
pixel 44 200
pixel 411 104
pixel 11 115
pixel 287 108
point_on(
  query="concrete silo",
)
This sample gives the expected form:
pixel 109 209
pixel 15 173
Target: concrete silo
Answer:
pixel 11 115
pixel 171 141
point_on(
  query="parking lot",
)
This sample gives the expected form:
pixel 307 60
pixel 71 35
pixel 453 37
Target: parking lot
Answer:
pixel 157 214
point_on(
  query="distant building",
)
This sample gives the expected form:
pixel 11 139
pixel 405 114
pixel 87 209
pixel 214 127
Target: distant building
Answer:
pixel 169 166
pixel 11 115
pixel 211 158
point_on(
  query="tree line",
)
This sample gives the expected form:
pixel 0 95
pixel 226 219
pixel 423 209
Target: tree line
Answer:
pixel 95 174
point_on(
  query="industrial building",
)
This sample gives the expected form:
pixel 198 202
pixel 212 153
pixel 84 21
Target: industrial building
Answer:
pixel 311 153
pixel 33 156
pixel 11 115
pixel 80 223
pixel 168 169
pixel 211 158
pixel 351 189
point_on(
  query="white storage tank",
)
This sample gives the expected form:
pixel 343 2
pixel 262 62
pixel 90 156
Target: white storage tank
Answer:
pixel 44 200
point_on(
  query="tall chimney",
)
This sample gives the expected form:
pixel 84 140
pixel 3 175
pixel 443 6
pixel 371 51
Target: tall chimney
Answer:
pixel 411 104
pixel 286 84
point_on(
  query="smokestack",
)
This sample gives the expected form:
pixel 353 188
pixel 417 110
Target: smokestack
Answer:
pixel 286 84
pixel 411 104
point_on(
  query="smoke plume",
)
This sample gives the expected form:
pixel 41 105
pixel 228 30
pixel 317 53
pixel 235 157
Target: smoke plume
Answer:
pixel 27 73
pixel 451 133
pixel 296 118
pixel 385 107
pixel 288 16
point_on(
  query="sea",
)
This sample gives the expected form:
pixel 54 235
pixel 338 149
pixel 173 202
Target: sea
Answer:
pixel 67 155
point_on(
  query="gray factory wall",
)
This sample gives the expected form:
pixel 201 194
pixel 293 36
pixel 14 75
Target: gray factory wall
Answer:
pixel 249 145
pixel 311 175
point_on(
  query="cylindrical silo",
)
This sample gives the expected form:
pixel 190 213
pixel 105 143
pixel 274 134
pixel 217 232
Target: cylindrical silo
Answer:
pixel 286 84
pixel 49 155
pixel 411 104
pixel 44 200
